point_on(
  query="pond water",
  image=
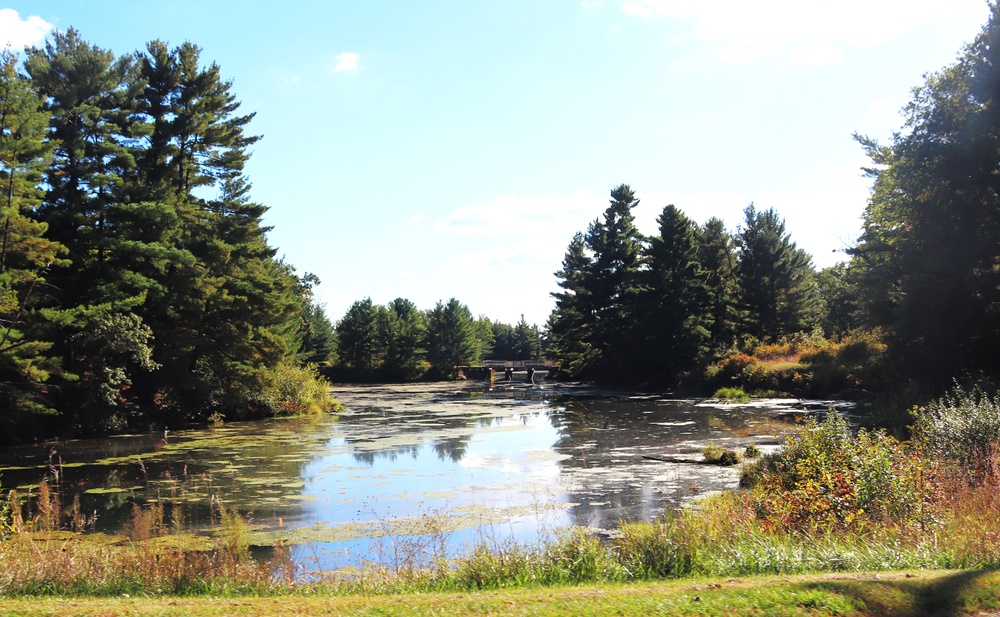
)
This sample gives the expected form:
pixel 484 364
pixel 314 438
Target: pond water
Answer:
pixel 408 468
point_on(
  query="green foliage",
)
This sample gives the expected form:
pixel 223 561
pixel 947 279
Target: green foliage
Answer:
pixel 26 254
pixel 776 278
pixel 104 351
pixel 827 479
pixel 359 346
pixel 405 332
pixel 654 550
pixel 731 395
pixel 594 326
pixel 453 337
pixel 717 255
pixel 963 426
pixel 289 389
pixel 674 318
pixel 927 255
pixel 319 340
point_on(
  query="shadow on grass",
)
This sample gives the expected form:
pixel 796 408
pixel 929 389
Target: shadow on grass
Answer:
pixel 949 596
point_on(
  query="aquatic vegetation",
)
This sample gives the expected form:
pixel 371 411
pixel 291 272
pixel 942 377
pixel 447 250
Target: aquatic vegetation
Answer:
pixel 717 455
pixel 731 395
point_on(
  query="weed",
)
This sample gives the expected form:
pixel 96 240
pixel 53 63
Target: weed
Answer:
pixel 717 455
pixel 964 427
pixel 731 395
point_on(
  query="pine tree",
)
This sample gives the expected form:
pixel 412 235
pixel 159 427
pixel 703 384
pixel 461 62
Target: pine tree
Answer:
pixel 452 337
pixel 403 334
pixel 928 252
pixel 612 283
pixel 717 255
pixel 571 322
pixel 776 278
pixel 26 254
pixel 360 345
pixel 527 341
pixel 319 341
pixel 90 96
pixel 675 299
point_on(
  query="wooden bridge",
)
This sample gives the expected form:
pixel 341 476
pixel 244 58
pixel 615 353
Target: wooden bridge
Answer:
pixel 481 370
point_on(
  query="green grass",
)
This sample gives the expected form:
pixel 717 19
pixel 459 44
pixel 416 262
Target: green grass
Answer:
pixel 949 593
pixel 732 395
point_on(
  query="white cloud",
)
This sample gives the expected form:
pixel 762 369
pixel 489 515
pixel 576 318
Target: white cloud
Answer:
pixel 805 32
pixel 515 218
pixel 18 33
pixel 347 61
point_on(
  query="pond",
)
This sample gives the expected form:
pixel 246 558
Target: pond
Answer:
pixel 410 468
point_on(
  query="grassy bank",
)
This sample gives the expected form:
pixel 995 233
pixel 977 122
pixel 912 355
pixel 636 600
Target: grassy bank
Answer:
pixel 943 593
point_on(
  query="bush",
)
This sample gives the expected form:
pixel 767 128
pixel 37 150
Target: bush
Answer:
pixel 826 479
pixel 964 427
pixel 295 390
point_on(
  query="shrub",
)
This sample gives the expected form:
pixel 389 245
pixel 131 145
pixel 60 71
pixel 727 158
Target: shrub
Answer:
pixel 294 390
pixel 737 370
pixel 776 351
pixel 964 427
pixel 824 479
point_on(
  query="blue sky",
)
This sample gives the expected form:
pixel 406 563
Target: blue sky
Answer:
pixel 451 149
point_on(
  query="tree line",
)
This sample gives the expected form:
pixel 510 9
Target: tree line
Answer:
pixel 643 310
pixel 136 282
pixel 924 275
pixel 399 342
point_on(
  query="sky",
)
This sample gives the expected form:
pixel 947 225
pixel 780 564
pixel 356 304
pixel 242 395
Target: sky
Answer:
pixel 431 149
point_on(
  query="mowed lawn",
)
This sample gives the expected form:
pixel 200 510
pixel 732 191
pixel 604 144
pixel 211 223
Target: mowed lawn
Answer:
pixel 938 593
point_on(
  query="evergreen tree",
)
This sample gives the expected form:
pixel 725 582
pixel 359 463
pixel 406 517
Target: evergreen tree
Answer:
pixel 838 288
pixel 527 341
pixel 929 245
pixel 359 342
pixel 319 341
pixel 26 253
pixel 616 247
pixel 776 278
pixel 717 256
pixel 504 343
pixel 452 337
pixel 94 124
pixel 675 299
pixel 571 322
pixel 403 333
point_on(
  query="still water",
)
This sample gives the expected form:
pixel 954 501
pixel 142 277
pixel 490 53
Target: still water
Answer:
pixel 443 464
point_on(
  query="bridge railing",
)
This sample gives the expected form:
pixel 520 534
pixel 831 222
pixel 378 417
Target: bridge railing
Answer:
pixel 518 363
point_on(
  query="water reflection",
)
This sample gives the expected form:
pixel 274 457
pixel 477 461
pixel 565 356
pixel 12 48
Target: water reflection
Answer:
pixel 514 462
